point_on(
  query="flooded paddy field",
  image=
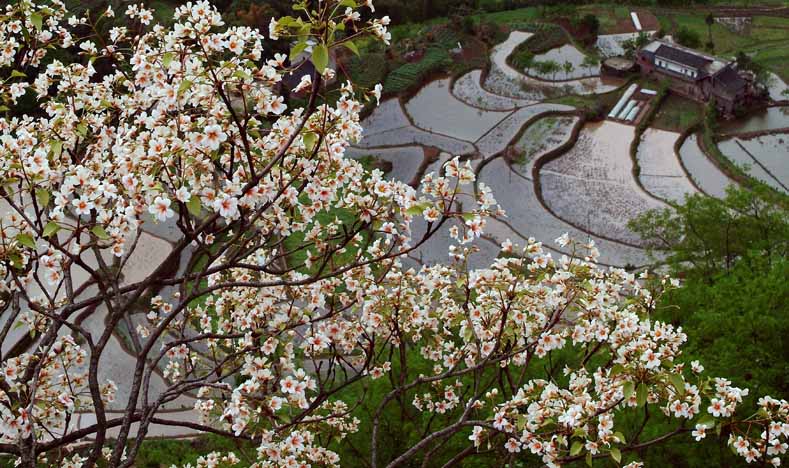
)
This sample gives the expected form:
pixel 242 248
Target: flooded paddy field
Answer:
pixel 592 185
pixel 468 88
pixel 765 157
pixel 527 217
pixel 506 80
pixel 436 110
pixel 500 136
pixel 567 53
pixel 707 176
pixel 771 118
pixel 405 136
pixel 405 160
pixel 661 173
pixel 542 136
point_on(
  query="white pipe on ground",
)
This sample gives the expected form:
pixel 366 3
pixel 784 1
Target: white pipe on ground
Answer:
pixel 622 100
pixel 623 115
pixel 633 113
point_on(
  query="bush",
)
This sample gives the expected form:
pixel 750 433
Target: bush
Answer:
pixel 545 38
pixel 688 38
pixel 368 70
pixel 592 22
pixel 436 58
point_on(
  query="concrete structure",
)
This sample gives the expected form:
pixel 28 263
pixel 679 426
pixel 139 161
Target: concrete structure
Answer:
pixel 698 76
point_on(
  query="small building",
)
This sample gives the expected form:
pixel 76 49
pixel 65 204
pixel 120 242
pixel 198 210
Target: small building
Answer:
pixel 698 76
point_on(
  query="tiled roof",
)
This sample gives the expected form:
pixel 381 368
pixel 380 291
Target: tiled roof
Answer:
pixel 730 79
pixel 681 56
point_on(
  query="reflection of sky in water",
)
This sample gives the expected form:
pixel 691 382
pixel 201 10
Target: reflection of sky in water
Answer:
pixel 560 55
pixel 706 174
pixel 771 118
pixel 771 152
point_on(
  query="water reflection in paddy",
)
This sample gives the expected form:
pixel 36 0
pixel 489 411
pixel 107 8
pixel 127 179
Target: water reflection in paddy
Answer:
pixel 705 174
pixel 562 55
pixel 768 119
pixel 436 110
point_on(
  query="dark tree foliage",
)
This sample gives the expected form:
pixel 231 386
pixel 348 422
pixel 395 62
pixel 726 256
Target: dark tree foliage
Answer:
pixel 706 236
pixel 734 299
pixel 592 22
pixel 688 38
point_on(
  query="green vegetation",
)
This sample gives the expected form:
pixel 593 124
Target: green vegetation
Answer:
pixel 688 37
pixel 734 299
pixel 595 106
pixel 709 143
pixel 766 39
pixel 368 70
pixel 678 113
pixel 408 75
pixel 546 37
pixel 167 452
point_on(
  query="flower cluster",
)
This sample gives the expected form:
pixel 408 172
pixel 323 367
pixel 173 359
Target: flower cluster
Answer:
pixel 286 277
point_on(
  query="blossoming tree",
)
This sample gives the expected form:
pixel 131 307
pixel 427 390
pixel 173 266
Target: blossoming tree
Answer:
pixel 287 281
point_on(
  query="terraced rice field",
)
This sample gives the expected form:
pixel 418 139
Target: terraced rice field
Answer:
pixel 661 173
pixel 765 157
pixel 592 186
pixel 704 173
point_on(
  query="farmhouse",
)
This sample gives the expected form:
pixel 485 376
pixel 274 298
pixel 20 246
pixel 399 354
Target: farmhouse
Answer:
pixel 698 76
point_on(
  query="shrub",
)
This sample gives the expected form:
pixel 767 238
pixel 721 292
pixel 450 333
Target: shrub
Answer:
pixel 688 38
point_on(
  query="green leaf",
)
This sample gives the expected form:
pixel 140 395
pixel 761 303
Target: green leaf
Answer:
pixel 521 423
pixel 348 3
pixel 707 421
pixel 82 129
pixel 297 49
pixel 184 86
pixel 51 228
pixel 26 240
pixel 4 108
pixel 616 455
pixel 193 205
pixel 37 20
pixel 42 195
pixel 589 458
pixel 310 139
pixel 678 383
pixel 548 422
pixel 415 210
pixel 627 389
pixel 56 146
pixel 352 47
pixel 17 74
pixel 167 59
pixel 576 448
pixel 641 394
pixel 99 232
pixel 16 260
pixel 620 437
pixel 617 369
pixel 320 57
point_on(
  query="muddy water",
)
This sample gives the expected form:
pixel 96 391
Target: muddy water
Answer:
pixel 706 174
pixel 768 119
